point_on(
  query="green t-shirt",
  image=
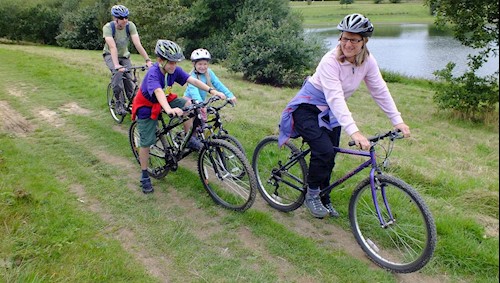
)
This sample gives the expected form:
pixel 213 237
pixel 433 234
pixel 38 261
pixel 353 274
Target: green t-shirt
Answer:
pixel 121 38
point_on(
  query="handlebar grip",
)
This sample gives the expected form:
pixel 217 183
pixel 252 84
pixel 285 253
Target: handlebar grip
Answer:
pixel 351 143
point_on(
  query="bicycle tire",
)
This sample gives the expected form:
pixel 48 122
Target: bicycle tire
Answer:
pixel 157 167
pixel 274 184
pixel 217 163
pixel 112 105
pixel 232 140
pixel 408 243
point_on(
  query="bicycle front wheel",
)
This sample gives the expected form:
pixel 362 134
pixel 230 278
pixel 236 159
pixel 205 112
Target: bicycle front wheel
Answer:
pixel 226 175
pixel 232 140
pixel 281 178
pixel 406 242
pixel 112 105
pixel 157 166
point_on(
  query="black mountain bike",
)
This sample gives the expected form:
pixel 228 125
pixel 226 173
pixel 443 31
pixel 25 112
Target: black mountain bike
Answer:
pixel 214 125
pixel 126 100
pixel 389 219
pixel 224 170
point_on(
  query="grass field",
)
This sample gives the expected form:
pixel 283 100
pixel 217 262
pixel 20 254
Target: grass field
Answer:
pixel 71 209
pixel 330 13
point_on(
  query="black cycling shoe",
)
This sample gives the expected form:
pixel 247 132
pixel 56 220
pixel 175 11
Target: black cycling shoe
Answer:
pixel 147 188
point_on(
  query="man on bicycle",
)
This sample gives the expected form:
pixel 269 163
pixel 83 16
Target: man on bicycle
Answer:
pixel 117 35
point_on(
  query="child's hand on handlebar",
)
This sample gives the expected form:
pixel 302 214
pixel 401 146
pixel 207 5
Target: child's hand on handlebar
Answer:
pixel 232 100
pixel 175 112
pixel 219 94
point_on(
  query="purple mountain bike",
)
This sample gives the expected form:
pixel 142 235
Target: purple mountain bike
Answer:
pixel 388 218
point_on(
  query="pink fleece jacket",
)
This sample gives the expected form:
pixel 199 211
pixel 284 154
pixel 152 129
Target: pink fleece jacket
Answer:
pixel 338 81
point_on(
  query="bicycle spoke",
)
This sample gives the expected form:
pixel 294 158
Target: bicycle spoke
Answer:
pixel 227 176
pixel 403 245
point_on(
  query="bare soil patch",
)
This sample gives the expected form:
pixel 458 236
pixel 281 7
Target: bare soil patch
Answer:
pixel 13 122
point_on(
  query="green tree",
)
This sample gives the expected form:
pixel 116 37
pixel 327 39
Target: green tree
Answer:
pixel 474 24
pixel 262 39
pixel 39 23
pixel 156 19
pixel 82 29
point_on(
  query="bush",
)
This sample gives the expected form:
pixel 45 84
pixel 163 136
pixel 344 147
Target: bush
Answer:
pixel 38 24
pixel 470 96
pixel 81 30
pixel 273 55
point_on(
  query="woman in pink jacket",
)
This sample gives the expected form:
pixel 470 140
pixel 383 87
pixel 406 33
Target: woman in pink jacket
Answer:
pixel 319 109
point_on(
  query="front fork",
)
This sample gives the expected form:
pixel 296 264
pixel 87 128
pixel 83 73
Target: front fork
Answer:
pixel 378 190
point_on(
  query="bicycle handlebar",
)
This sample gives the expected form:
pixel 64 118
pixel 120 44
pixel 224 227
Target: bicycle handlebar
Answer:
pixel 394 134
pixel 198 105
pixel 142 68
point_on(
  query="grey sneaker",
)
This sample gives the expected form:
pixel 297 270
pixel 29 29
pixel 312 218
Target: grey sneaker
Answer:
pixel 120 109
pixel 313 203
pixel 331 211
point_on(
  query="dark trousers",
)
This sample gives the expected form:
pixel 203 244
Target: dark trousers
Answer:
pixel 116 80
pixel 321 141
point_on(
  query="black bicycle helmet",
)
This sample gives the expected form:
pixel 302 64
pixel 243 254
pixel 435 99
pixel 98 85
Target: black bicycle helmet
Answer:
pixel 356 23
pixel 119 11
pixel 168 50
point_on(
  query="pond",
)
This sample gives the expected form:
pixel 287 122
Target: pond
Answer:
pixel 415 50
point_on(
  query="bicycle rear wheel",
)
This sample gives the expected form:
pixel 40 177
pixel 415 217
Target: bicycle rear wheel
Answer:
pixel 112 105
pixel 280 179
pixel 218 164
pixel 157 167
pixel 407 242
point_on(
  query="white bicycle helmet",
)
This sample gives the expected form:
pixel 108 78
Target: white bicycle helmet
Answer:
pixel 200 54
pixel 356 23
pixel 169 50
pixel 119 11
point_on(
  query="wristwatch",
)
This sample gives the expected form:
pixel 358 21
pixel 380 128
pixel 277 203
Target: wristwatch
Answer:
pixel 209 90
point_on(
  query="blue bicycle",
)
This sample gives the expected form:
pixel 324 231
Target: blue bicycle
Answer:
pixel 388 218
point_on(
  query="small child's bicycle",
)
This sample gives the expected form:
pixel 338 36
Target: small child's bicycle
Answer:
pixel 214 124
pixel 123 97
pixel 389 219
pixel 224 170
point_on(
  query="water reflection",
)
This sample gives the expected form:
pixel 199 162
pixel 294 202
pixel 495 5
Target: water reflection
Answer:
pixel 415 50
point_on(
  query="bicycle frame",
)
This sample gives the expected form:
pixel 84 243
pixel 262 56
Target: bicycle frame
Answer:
pixel 199 125
pixel 371 162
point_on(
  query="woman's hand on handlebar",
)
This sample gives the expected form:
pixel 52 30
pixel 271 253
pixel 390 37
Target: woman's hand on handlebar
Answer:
pixel 360 141
pixel 404 129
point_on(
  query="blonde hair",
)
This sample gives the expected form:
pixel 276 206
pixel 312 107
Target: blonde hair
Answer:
pixel 360 58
